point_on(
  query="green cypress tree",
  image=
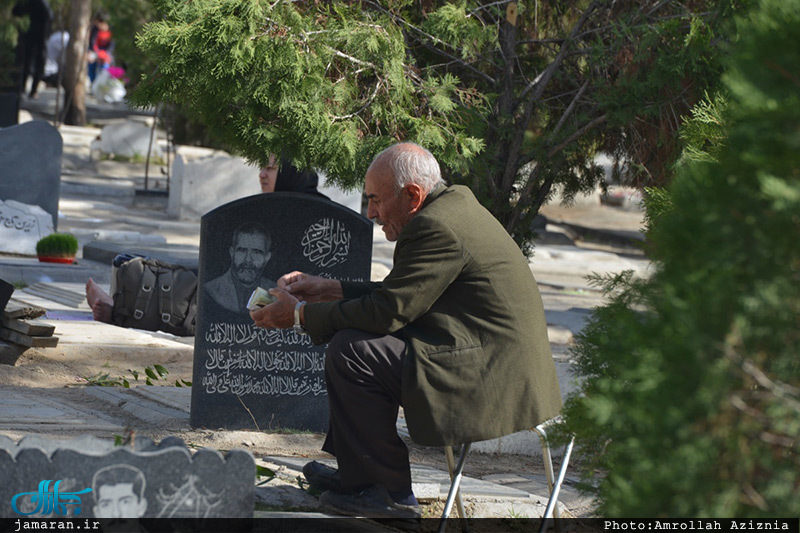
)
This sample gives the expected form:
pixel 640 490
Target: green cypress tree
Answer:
pixel 514 98
pixel 690 403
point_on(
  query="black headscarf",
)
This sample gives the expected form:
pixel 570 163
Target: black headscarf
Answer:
pixel 290 179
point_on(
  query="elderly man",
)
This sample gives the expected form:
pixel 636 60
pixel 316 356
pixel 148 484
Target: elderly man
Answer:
pixel 456 334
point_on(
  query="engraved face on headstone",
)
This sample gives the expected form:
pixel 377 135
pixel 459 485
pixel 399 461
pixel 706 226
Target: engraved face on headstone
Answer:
pixel 249 253
pixel 119 492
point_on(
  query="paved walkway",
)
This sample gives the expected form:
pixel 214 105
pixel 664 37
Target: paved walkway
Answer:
pixel 98 203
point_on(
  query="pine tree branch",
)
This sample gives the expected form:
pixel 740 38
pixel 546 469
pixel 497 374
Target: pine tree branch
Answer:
pixel 336 118
pixel 524 197
pixel 536 87
pixel 429 39
pixel 579 133
pixel 570 108
pixel 487 6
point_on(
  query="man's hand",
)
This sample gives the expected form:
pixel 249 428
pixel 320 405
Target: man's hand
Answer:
pixel 311 288
pixel 279 314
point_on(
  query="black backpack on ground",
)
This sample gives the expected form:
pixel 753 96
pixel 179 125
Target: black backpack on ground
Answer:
pixel 153 295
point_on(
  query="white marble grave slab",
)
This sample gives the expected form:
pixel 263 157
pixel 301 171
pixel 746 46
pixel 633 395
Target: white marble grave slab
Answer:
pixel 21 227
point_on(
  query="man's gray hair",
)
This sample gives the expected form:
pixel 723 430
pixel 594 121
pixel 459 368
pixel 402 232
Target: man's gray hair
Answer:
pixel 410 163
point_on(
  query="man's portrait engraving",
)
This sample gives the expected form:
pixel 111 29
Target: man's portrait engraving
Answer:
pixel 119 492
pixel 249 254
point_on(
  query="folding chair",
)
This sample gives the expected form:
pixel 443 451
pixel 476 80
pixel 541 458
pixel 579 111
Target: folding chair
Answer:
pixel 554 485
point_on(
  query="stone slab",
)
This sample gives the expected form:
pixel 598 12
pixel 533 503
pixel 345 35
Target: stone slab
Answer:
pixel 10 352
pixel 129 139
pixel 62 295
pixel 22 225
pixel 138 405
pixel 35 410
pixel 180 254
pixel 92 478
pixel 177 398
pixel 252 378
pixel 28 327
pixel 197 187
pixel 28 340
pixel 31 271
pixel 428 483
pixel 30 156
pixel 83 335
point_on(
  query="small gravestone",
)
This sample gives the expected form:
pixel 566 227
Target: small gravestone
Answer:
pixel 129 139
pixel 197 187
pixel 247 377
pixel 21 227
pixel 9 109
pixel 30 165
pixel 92 478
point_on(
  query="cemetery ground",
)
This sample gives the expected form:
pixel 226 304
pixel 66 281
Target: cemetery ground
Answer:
pixel 54 391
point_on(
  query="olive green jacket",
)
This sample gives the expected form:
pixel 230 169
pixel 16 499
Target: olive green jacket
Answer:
pixel 461 293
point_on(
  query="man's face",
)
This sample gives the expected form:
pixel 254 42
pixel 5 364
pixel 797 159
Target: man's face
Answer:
pixel 118 501
pixel 388 209
pixel 249 254
pixel 269 175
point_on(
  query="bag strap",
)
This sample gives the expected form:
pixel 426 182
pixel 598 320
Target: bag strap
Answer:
pixel 145 292
pixel 191 312
pixel 165 281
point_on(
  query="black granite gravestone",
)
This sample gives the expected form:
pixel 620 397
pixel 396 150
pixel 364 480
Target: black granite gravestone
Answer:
pixel 247 377
pixel 30 159
pixel 91 478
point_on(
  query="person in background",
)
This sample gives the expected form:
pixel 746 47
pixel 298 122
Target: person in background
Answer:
pixel 101 45
pixel 54 63
pixel 279 175
pixel 31 44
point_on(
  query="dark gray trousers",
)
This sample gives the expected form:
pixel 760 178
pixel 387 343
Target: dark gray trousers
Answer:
pixel 363 373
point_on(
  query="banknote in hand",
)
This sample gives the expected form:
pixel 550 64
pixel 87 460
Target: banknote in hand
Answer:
pixel 260 298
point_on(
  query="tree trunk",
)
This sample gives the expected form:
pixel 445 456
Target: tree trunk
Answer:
pixel 75 71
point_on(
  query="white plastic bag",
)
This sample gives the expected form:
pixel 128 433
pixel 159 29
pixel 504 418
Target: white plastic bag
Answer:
pixel 108 89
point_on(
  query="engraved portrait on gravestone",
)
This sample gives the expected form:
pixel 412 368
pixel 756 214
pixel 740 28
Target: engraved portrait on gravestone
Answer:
pixel 249 253
pixel 119 492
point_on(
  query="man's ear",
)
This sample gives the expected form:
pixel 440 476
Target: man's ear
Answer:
pixel 416 196
pixel 141 507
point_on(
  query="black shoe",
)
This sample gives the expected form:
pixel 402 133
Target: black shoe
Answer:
pixel 372 502
pixel 322 477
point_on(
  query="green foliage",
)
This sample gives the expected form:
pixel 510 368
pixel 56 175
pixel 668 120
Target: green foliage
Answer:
pixel 151 374
pixel 264 472
pixel 10 28
pixel 514 99
pixel 57 245
pixel 690 403
pixel 704 133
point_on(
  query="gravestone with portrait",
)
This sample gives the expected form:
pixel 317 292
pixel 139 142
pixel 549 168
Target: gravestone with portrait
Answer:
pixel 92 478
pixel 30 163
pixel 247 377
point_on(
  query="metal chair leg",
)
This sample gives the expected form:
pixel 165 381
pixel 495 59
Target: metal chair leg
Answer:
pixel 451 466
pixel 554 486
pixel 454 493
